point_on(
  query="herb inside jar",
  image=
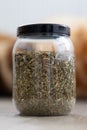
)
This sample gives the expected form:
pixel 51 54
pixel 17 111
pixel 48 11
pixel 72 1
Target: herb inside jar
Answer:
pixel 44 82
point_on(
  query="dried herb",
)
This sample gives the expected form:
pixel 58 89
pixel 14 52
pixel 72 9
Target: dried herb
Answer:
pixel 44 82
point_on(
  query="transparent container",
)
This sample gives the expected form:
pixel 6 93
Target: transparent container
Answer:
pixel 44 82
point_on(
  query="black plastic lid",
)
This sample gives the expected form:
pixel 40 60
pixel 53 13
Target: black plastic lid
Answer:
pixel 43 29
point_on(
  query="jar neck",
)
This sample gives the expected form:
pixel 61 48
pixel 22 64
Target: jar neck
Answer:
pixel 42 36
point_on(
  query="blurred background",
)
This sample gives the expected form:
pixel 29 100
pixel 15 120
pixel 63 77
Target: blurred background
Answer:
pixel 14 13
pixel 17 12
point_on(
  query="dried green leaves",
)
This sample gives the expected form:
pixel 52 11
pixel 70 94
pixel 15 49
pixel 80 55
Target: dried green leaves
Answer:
pixel 44 83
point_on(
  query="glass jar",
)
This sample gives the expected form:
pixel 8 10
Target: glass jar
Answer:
pixel 44 70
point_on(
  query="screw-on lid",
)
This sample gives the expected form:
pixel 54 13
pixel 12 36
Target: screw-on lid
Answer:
pixel 35 29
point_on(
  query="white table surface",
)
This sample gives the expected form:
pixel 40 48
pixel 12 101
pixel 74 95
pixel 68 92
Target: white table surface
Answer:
pixel 77 120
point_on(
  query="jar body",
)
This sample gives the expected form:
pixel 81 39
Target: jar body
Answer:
pixel 44 75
